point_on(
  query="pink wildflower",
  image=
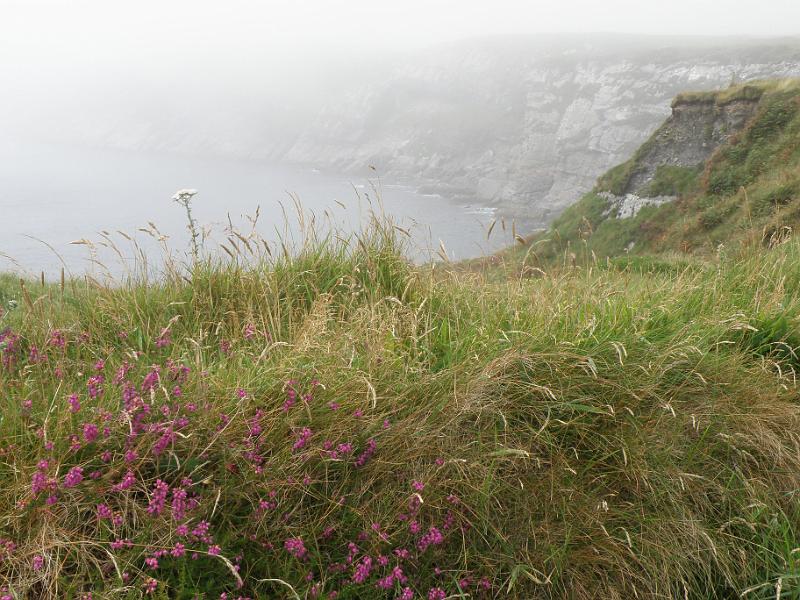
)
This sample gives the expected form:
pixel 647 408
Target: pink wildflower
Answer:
pixel 73 477
pixel 90 432
pixel 364 457
pixel 159 498
pixel 363 570
pixel 74 403
pixel 126 482
pixel 302 438
pixel 296 548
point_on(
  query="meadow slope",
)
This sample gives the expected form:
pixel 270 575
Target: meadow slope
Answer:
pixel 341 424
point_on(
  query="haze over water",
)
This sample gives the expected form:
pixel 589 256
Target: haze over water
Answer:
pixel 60 194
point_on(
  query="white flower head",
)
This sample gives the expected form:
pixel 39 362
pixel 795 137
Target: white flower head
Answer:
pixel 184 194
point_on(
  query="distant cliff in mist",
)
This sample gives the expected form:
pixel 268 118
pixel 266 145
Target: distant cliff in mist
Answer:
pixel 524 123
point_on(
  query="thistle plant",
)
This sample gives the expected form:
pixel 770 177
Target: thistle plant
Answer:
pixel 184 198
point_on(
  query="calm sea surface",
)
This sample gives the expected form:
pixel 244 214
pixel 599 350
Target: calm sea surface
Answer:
pixel 53 195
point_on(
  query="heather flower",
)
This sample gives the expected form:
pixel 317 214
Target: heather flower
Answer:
pixel 402 553
pixel 406 594
pixel 201 532
pixel 158 498
pixel 214 550
pixel 104 512
pixel 167 438
pixel 40 482
pixel 126 482
pixel 38 562
pixel 179 503
pixel 150 586
pixel 74 403
pixel 433 537
pixel 151 561
pixel 296 548
pixel 73 477
pixel 90 432
pixel 57 339
pixel 178 551
pixel 363 570
pixel 94 386
pixel 302 438
pixel 34 356
pixel 417 486
pixel 122 372
pixel 364 457
pixel 291 399
pixel 386 583
pixel 436 594
pixel 152 379
pixel 165 339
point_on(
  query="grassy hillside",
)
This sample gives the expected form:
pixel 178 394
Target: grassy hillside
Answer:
pixel 341 424
pixel 748 192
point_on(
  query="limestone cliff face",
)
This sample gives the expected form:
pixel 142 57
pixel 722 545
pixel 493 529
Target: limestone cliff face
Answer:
pixel 529 124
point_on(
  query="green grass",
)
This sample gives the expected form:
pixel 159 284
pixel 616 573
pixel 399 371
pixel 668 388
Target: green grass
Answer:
pixel 671 180
pixel 624 429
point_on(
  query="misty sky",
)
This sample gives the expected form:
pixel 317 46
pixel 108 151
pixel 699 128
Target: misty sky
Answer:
pixel 70 29
pixel 97 63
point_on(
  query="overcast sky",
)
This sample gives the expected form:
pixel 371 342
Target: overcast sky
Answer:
pixel 65 29
pixel 44 38
pixel 78 60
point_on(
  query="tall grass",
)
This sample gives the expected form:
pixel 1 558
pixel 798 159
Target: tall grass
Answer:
pixel 335 422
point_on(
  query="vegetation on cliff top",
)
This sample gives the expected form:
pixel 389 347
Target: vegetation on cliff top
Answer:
pixel 342 424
